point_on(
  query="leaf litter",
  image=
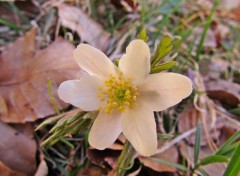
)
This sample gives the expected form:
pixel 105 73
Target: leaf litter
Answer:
pixel 25 69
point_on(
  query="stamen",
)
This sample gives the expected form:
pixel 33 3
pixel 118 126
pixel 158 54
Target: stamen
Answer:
pixel 118 93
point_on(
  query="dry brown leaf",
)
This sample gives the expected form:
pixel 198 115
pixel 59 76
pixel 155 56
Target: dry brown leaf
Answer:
pixel 92 171
pixel 170 154
pixel 104 158
pixel 226 92
pixel 17 150
pixel 188 120
pixel 188 153
pixel 42 169
pixel 89 30
pixel 25 73
pixel 6 171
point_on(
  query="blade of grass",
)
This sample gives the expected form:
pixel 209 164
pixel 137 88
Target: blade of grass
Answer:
pixel 52 97
pixel 10 25
pixel 206 27
pixel 168 163
pixel 233 168
pixel 197 144
pixel 232 139
pixel 213 159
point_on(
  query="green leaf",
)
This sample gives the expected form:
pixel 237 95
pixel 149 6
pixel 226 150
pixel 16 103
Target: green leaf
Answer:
pixel 233 168
pixel 213 159
pixel 176 42
pixel 49 121
pixel 11 25
pixel 228 143
pixel 143 35
pixel 163 49
pixel 205 29
pixel 168 163
pixel 235 111
pixel 162 67
pixel 203 172
pixel 52 97
pixel 164 136
pixel 197 143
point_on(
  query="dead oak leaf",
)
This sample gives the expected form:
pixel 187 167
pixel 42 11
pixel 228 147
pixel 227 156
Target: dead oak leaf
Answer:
pixel 24 76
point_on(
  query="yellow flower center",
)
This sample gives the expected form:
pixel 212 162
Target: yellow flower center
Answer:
pixel 118 93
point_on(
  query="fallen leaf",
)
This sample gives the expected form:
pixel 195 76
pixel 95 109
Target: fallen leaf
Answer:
pixel 17 150
pixel 136 172
pixel 92 171
pixel 25 73
pixel 103 158
pixel 188 120
pixel 3 107
pixel 188 152
pixel 6 171
pixel 224 91
pixel 170 155
pixel 229 4
pixel 42 169
pixel 88 29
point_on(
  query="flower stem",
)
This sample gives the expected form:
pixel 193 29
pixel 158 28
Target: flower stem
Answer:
pixel 126 159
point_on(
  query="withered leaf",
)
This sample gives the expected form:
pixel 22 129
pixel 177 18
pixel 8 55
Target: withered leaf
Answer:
pixel 188 153
pixel 170 154
pixel 25 73
pixel 17 150
pixel 188 120
pixel 6 171
pixel 88 29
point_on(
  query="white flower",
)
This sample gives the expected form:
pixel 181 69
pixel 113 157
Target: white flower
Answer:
pixel 125 96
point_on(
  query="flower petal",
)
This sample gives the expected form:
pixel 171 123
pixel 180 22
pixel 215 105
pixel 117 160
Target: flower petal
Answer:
pixel 94 61
pixel 81 93
pixel 139 127
pixel 164 90
pixel 136 62
pixel 105 130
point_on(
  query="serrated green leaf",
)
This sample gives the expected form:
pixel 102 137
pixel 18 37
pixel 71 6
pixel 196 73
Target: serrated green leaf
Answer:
pixel 213 159
pixel 162 67
pixel 233 168
pixel 143 35
pixel 163 49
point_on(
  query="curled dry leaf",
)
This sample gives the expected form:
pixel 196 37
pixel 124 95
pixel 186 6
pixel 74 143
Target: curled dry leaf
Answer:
pixel 17 150
pixel 25 73
pixel 88 29
pixel 170 155
pixel 225 92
